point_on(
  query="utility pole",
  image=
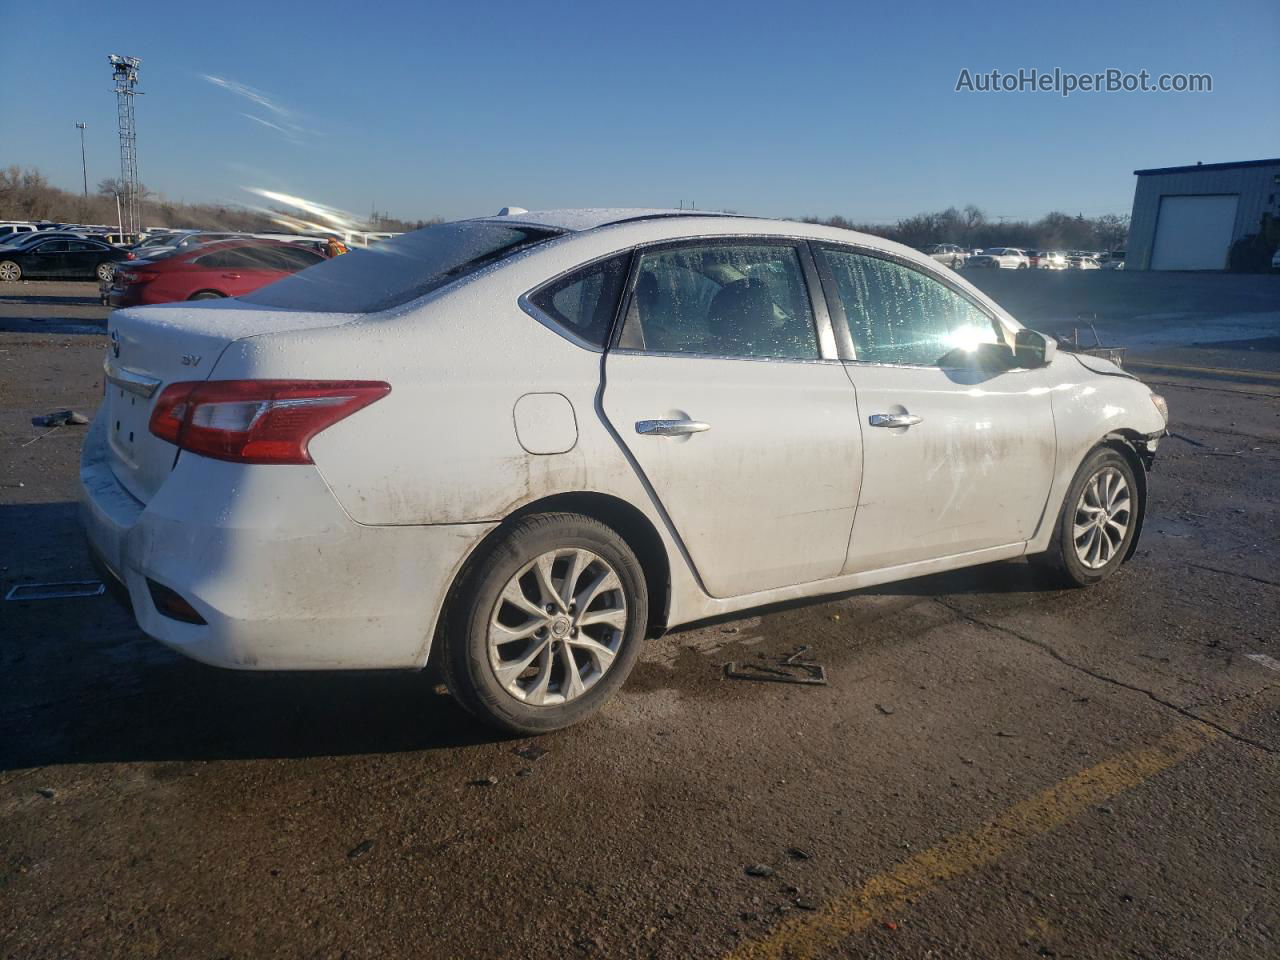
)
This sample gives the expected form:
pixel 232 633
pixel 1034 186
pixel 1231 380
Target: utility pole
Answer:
pixel 84 168
pixel 124 71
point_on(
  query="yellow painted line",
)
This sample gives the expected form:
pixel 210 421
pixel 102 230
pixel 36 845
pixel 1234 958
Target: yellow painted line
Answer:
pixel 1264 375
pixel 878 899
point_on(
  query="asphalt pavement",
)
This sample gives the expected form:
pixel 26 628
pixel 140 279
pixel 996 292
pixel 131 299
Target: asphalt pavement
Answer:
pixel 995 769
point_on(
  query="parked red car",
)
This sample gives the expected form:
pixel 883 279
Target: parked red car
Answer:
pixel 224 268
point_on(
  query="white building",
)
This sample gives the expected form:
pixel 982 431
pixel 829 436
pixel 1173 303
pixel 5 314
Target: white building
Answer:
pixel 1187 218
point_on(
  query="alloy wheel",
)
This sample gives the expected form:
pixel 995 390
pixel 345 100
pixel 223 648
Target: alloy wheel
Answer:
pixel 10 271
pixel 1102 518
pixel 557 627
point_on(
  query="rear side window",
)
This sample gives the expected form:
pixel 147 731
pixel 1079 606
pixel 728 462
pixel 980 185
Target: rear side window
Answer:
pixel 225 260
pixel 585 301
pixel 723 300
pixel 401 269
pixel 898 315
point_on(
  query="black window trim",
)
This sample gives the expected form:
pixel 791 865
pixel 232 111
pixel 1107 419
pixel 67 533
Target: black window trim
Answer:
pixel 840 321
pixel 525 300
pixel 827 349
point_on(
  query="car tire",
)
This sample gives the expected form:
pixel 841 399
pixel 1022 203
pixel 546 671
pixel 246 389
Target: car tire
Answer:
pixel 207 295
pixel 1098 521
pixel 511 635
pixel 10 271
pixel 1022 266
pixel 105 270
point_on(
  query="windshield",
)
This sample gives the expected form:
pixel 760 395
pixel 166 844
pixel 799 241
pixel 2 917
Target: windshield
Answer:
pixel 399 270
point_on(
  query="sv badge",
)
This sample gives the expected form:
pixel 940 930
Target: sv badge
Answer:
pixel 190 360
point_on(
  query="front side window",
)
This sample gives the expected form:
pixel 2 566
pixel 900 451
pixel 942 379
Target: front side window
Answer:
pixel 584 302
pixel 726 300
pixel 296 258
pixel 898 315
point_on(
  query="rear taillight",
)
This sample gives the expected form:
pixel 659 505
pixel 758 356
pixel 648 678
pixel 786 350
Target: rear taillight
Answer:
pixel 257 421
pixel 129 255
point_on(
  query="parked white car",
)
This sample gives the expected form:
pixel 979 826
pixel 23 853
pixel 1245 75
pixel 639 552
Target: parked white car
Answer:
pixel 948 253
pixel 518 446
pixel 1082 263
pixel 1005 258
pixel 14 228
pixel 1053 260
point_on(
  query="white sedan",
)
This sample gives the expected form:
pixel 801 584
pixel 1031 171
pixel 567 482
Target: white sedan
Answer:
pixel 517 446
pixel 1004 258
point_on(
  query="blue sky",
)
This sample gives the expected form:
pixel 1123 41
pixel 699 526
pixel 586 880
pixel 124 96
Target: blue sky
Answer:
pixel 771 108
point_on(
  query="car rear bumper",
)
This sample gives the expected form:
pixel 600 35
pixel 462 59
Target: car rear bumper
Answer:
pixel 281 576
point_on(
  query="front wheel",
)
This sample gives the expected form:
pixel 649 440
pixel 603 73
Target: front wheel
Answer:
pixel 1098 522
pixel 10 271
pixel 547 624
pixel 207 295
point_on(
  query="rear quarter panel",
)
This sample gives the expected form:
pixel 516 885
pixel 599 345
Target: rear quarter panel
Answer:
pixel 442 446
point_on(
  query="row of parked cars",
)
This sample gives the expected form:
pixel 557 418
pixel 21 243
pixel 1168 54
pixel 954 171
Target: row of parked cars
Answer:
pixel 1017 258
pixel 163 267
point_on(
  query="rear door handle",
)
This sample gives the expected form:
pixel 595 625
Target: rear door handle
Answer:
pixel 670 428
pixel 894 419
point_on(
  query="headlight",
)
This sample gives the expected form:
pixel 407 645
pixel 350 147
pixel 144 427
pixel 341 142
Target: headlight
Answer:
pixel 1161 405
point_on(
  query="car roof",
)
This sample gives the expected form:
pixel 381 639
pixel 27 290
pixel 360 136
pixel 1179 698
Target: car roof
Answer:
pixel 589 218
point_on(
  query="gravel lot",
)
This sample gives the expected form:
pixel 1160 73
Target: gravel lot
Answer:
pixel 995 770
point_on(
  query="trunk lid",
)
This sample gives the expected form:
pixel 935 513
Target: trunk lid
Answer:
pixel 152 347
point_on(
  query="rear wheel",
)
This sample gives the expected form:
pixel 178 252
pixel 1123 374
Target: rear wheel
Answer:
pixel 105 270
pixel 547 624
pixel 1097 523
pixel 207 295
pixel 10 271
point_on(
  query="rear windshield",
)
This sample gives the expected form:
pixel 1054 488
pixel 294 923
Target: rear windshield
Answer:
pixel 400 269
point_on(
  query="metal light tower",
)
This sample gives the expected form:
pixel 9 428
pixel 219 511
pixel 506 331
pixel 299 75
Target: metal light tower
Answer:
pixel 124 70
pixel 84 167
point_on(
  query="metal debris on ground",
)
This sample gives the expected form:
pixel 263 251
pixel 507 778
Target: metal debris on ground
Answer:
pixel 790 669
pixel 55 591
pixel 1114 354
pixel 488 781
pixel 760 870
pixel 360 849
pixel 530 751
pixel 60 418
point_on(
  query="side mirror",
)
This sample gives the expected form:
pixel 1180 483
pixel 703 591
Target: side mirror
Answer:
pixel 1033 349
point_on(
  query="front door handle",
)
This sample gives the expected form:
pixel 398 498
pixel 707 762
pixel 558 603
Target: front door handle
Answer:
pixel 894 419
pixel 231 276
pixel 670 428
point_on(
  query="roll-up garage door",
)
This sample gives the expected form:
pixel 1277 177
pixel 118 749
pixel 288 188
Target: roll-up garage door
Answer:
pixel 1194 233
